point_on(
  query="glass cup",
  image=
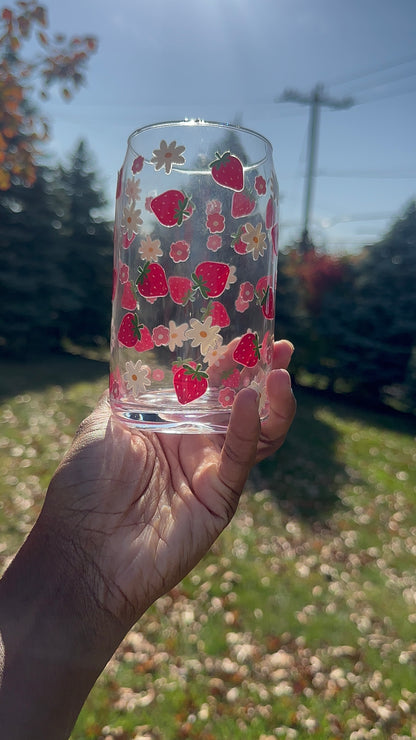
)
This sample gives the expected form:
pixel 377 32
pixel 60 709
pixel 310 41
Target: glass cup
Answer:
pixel 195 264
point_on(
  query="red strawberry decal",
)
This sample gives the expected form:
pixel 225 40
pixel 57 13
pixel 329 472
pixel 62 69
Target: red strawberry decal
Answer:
pixel 210 278
pixel 231 378
pixel 130 330
pixel 180 289
pixel 275 237
pixel 267 304
pixel 270 213
pixel 145 342
pixel 247 351
pixel 190 383
pixel 237 243
pixel 218 313
pixel 227 171
pixel 128 298
pixel 180 363
pixel 242 204
pixel 151 282
pixel 265 296
pixel 172 207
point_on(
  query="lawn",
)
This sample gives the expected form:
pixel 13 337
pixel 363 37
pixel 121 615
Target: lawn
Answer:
pixel 300 622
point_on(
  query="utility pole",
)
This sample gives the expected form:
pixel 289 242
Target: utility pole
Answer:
pixel 315 100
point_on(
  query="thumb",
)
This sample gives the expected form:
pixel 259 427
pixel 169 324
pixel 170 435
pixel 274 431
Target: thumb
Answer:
pixel 239 450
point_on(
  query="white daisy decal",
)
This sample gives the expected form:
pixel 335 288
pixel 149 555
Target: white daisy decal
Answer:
pixel 167 155
pixel 259 385
pixel 150 249
pixel 133 189
pixel 204 335
pixel 131 220
pixel 176 335
pixel 137 377
pixel 255 240
pixel 214 356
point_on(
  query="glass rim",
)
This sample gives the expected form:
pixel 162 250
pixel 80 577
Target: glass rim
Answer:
pixel 199 122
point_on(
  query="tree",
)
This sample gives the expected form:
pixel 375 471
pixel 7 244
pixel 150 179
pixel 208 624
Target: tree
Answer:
pixel 31 281
pixel 62 61
pixel 307 282
pixel 55 261
pixel 380 330
pixel 86 252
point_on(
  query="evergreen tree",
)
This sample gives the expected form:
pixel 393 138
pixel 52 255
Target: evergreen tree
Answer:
pixel 31 280
pixel 86 252
pixel 378 325
pixel 55 261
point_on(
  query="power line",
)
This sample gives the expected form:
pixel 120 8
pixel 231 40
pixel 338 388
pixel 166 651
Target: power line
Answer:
pixel 315 99
pixel 387 96
pixel 374 70
pixel 368 174
pixel 383 83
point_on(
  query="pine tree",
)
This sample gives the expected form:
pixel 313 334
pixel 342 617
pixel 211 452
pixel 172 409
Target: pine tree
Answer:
pixel 379 323
pixel 31 280
pixel 86 251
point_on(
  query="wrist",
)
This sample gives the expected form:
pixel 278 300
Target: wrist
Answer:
pixel 56 637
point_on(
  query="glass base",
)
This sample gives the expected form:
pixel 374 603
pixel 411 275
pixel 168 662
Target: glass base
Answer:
pixel 195 418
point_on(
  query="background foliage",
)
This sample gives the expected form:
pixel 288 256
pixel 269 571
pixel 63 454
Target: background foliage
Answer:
pixel 352 317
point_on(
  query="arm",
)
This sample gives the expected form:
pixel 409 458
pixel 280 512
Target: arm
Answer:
pixel 54 640
pixel 125 518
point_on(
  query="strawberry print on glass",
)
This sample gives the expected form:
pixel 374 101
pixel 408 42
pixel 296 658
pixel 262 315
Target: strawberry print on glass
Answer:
pixel 195 261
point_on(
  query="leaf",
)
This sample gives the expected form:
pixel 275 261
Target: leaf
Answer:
pixel 42 38
pixel 40 15
pixel 24 25
pixel 4 179
pixel 7 15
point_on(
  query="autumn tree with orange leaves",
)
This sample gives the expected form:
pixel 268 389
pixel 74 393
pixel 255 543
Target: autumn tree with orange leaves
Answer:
pixel 60 60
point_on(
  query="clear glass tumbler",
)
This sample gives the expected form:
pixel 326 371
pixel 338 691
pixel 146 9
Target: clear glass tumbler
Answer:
pixel 195 264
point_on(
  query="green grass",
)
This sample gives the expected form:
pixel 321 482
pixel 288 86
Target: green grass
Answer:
pixel 300 622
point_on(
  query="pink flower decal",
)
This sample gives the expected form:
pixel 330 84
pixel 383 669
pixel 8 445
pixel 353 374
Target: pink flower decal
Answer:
pixel 123 273
pixel 215 223
pixel 137 165
pixel 147 203
pixel 213 206
pixel 115 385
pixel 158 374
pixel 214 242
pixel 226 397
pixel 246 291
pixel 160 336
pixel 241 305
pixel 260 185
pixel 179 251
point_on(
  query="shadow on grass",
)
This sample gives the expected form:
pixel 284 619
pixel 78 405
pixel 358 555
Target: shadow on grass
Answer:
pixel 37 374
pixel 305 475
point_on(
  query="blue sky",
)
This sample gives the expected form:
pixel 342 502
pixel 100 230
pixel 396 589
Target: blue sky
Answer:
pixel 228 60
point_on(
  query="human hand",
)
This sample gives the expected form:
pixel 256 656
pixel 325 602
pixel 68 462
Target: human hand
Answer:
pixel 136 511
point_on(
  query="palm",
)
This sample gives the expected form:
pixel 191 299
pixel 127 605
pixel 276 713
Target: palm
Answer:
pixel 144 508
